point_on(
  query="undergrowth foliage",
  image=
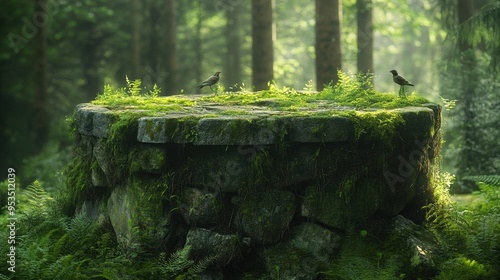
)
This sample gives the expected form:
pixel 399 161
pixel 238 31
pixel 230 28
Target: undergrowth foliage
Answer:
pixel 179 263
pixel 471 232
pixel 51 245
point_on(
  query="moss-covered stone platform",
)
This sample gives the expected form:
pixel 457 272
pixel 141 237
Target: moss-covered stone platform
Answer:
pixel 255 179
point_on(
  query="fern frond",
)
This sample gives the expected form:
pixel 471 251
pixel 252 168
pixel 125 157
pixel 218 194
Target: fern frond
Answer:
pixel 36 194
pixel 79 231
pixel 177 264
pixel 202 265
pixel 493 180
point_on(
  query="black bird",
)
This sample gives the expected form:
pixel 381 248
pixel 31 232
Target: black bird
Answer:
pixel 400 81
pixel 212 80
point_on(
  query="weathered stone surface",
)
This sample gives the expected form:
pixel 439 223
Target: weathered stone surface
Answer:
pixel 92 210
pixel 149 159
pixel 317 241
pixel 219 168
pixel 300 166
pixel 138 220
pixel 98 177
pixel 399 195
pixel 233 169
pixel 437 114
pixel 308 251
pixel 320 129
pixel 200 208
pixel 342 205
pixel 101 123
pixel 173 128
pixel 102 157
pixel 236 131
pixel 255 129
pixel 243 130
pixel 120 214
pixel 204 242
pixel 265 217
pixel 85 116
pixel 419 123
pixel 324 206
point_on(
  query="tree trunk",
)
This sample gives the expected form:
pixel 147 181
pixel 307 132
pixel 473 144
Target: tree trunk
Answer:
pixel 262 43
pixel 41 114
pixel 233 72
pixel 365 36
pixel 90 62
pixel 172 80
pixel 328 52
pixel 153 53
pixel 136 40
pixel 469 82
pixel 198 47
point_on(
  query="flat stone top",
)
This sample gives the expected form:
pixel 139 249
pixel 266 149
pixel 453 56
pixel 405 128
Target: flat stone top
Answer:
pixel 254 124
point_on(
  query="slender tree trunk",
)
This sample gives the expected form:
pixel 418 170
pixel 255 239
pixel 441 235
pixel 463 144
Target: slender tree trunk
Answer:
pixel 198 47
pixel 153 53
pixel 172 78
pixel 262 43
pixel 233 72
pixel 41 114
pixel 365 36
pixel 465 12
pixel 90 63
pixel 136 39
pixel 328 51
pixel 469 82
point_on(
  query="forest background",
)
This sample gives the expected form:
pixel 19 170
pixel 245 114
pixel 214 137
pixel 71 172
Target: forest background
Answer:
pixel 56 54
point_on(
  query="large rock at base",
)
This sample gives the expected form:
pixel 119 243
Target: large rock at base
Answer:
pixel 120 214
pixel 308 251
pixel 140 220
pixel 200 208
pixel 264 218
pixel 419 246
pixel 343 204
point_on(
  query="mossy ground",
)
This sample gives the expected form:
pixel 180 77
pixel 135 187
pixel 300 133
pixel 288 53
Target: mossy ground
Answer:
pixel 353 92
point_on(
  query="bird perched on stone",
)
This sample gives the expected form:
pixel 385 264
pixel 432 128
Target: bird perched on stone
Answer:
pixel 400 81
pixel 212 80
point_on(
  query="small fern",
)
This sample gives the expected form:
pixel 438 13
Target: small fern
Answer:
pixel 202 265
pixel 36 199
pixel 178 263
pixel 493 180
pixel 133 87
pixel 180 266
